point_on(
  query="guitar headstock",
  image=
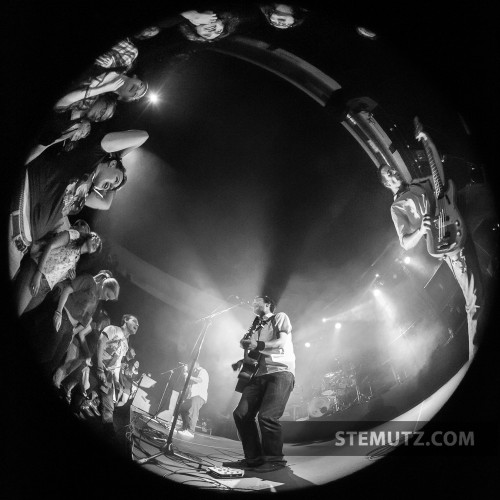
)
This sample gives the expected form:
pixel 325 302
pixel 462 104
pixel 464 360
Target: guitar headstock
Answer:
pixel 419 129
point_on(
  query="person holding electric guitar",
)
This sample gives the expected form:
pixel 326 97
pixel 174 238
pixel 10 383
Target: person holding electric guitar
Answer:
pixel 266 379
pixel 426 208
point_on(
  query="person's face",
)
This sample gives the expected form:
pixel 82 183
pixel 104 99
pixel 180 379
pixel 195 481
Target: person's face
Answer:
pixel 132 89
pixel 132 325
pixel 260 307
pixel 280 20
pixel 136 364
pixel 100 111
pixel 108 177
pixel 81 226
pixel 210 31
pixel 391 177
pixel 93 243
pixel 108 293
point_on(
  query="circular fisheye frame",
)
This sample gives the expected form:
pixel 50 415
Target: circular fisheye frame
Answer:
pixel 252 257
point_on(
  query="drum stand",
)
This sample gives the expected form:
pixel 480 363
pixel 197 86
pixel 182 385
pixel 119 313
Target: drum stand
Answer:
pixel 363 398
pixel 360 397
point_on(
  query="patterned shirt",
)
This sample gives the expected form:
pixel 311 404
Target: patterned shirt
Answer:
pixel 60 260
pixel 123 54
pixel 116 347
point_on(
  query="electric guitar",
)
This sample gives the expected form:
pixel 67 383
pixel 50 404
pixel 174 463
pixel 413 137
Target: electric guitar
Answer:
pixel 250 363
pixel 448 231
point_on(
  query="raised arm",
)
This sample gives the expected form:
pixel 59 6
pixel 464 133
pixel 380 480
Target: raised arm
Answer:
pixel 40 148
pixel 99 202
pixel 198 18
pixel 123 142
pixel 111 82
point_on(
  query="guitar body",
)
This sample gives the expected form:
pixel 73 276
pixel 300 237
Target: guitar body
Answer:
pixel 248 369
pixel 448 231
pixel 249 365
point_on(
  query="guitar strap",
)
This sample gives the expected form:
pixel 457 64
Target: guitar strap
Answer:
pixel 272 319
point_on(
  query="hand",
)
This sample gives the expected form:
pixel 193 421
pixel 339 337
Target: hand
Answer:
pixel 82 131
pixel 102 377
pixel 71 274
pixel 35 283
pixel 426 224
pixel 250 361
pixel 88 361
pixel 105 60
pixel 248 343
pixel 111 82
pixel 57 320
pixel 198 18
pixel 114 84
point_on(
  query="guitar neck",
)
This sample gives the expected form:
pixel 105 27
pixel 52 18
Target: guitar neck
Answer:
pixel 438 183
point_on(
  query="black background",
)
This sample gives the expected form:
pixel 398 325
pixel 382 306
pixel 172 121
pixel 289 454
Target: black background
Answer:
pixel 48 42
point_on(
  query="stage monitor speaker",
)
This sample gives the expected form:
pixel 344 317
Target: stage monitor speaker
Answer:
pixel 168 411
pixel 142 396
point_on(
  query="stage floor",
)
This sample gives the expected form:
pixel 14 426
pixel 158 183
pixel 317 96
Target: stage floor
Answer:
pixel 313 463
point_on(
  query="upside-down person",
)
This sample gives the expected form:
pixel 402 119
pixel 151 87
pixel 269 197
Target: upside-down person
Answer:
pixel 411 211
pixel 57 186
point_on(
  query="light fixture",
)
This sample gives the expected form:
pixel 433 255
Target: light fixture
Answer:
pixel 153 98
pixel 366 33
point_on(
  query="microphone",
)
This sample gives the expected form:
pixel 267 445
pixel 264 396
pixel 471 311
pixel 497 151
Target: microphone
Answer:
pixel 182 364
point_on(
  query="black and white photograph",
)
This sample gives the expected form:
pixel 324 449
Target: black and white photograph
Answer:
pixel 250 247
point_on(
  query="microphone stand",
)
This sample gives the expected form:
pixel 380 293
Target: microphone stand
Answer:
pixel 167 448
pixel 170 372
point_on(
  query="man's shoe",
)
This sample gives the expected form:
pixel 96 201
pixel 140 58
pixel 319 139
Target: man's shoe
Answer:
pixel 268 467
pixel 185 433
pixel 243 464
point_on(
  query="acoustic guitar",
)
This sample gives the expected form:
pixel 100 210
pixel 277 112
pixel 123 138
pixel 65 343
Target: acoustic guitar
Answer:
pixel 249 365
pixel 448 231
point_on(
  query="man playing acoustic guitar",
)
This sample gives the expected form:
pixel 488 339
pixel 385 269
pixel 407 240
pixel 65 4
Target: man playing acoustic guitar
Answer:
pixel 411 212
pixel 266 392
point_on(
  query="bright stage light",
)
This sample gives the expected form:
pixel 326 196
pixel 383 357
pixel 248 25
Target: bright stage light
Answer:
pixel 153 98
pixel 324 320
pixel 307 344
pixel 338 326
pixel 407 260
pixel 376 292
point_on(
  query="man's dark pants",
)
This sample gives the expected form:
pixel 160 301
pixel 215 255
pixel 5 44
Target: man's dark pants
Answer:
pixel 267 396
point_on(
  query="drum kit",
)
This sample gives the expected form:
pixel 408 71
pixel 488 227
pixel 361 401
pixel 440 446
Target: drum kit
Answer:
pixel 337 391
